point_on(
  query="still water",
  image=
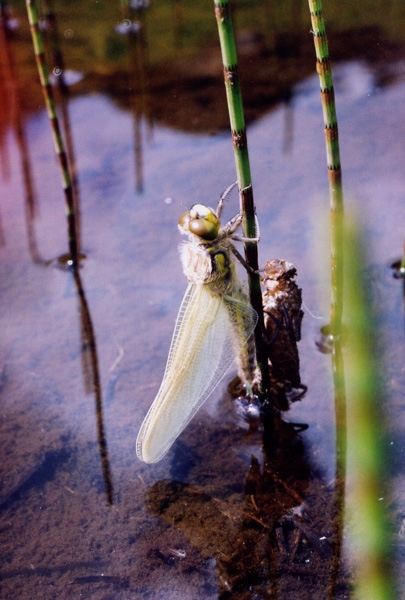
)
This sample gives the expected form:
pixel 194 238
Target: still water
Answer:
pixel 81 360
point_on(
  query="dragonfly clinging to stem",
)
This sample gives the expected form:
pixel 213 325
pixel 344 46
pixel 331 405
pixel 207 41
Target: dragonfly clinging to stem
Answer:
pixel 214 327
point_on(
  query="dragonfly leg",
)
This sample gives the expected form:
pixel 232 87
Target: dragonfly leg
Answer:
pixel 273 338
pixel 243 261
pixel 224 195
pixel 279 323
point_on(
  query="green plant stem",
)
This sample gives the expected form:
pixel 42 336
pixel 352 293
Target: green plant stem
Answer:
pixel 239 140
pixel 367 462
pixel 58 64
pixel 56 132
pixel 324 71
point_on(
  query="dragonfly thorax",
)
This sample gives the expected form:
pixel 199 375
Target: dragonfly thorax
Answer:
pixel 212 266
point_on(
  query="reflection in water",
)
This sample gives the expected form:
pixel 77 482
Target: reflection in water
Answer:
pixel 46 471
pixel 398 271
pixel 264 538
pixel 137 41
pixel 288 101
pixel 51 35
pixel 89 349
pixel 14 96
pixel 67 162
pixel 92 376
pixel 134 26
pixel 341 459
pixel 12 99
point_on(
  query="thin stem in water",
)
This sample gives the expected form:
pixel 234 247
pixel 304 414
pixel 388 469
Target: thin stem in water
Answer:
pixel 324 71
pixel 56 132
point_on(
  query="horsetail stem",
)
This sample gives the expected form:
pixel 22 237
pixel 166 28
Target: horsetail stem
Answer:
pixel 55 128
pixel 239 141
pixel 324 71
pixel 62 86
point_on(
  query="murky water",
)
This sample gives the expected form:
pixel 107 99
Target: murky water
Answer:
pixel 81 361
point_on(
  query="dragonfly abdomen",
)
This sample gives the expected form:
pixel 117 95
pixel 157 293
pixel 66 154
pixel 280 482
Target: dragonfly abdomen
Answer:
pixel 243 319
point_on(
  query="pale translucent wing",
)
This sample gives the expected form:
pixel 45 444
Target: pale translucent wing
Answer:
pixel 202 350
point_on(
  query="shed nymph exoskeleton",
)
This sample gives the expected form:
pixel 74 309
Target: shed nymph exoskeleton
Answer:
pixel 214 327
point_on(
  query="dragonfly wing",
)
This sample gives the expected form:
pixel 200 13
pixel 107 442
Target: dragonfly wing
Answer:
pixel 201 352
pixel 243 318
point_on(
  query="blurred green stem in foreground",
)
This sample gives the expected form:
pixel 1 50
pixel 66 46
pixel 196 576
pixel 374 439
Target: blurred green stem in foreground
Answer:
pixel 367 445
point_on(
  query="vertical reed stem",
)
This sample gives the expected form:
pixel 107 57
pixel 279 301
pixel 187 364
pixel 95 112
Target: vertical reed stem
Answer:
pixel 239 140
pixel 324 71
pixel 56 133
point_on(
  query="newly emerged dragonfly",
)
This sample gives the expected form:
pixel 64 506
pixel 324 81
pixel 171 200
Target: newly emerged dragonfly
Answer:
pixel 214 327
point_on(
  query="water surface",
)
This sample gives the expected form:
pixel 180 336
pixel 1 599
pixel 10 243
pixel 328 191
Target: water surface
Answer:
pixel 208 521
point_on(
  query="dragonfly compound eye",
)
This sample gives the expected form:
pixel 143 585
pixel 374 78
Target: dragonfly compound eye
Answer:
pixel 201 221
pixel 184 220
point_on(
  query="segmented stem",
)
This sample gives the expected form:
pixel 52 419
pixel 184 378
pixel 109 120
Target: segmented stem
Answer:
pixel 324 71
pixel 56 132
pixel 239 140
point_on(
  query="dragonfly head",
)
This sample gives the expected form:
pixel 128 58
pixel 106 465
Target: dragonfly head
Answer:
pixel 200 220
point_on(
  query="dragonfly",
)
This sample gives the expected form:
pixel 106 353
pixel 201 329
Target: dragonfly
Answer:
pixel 215 326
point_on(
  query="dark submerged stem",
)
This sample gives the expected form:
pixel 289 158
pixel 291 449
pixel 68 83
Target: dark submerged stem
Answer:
pixel 90 347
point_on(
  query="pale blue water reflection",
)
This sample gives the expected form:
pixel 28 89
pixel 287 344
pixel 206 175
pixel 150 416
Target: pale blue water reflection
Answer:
pixel 59 536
